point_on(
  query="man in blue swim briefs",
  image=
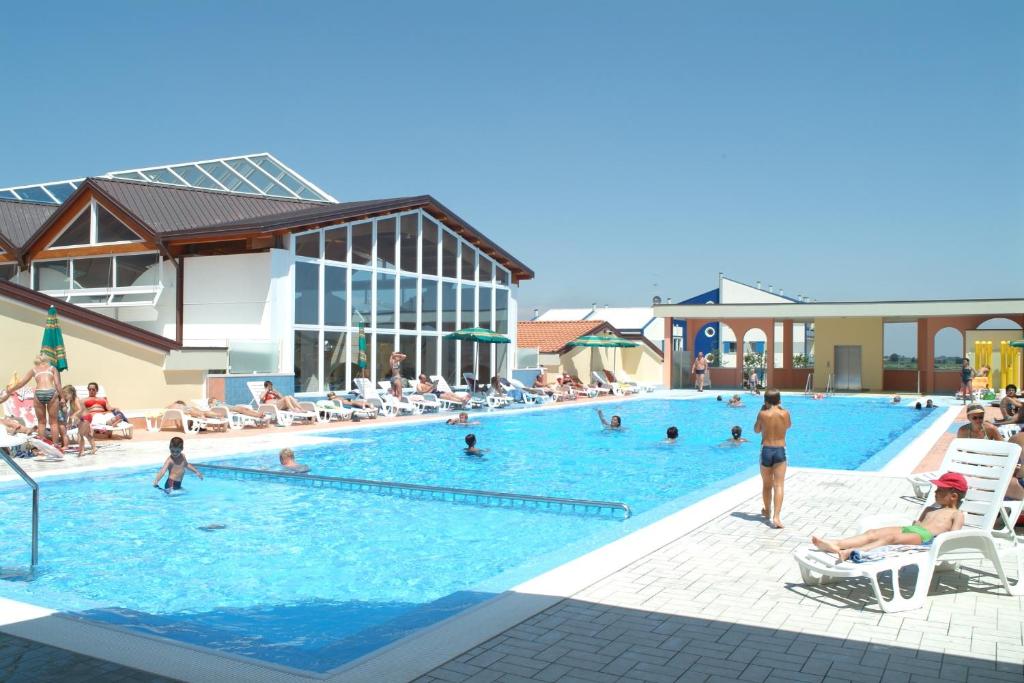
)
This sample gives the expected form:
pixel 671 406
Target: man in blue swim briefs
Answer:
pixel 772 422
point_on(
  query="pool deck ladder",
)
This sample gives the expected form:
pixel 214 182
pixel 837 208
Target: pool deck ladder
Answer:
pixel 426 491
pixel 6 456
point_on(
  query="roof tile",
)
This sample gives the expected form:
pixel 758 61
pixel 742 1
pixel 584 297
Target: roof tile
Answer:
pixel 551 336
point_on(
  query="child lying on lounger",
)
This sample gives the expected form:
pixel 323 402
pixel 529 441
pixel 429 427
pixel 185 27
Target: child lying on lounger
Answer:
pixel 943 516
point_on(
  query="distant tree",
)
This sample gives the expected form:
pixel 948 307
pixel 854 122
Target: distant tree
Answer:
pixel 894 358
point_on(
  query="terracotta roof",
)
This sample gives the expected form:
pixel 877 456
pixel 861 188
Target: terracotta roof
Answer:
pixel 552 336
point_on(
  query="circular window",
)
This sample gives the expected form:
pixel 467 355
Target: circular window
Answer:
pixel 709 332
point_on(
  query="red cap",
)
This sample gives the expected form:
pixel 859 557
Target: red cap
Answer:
pixel 951 480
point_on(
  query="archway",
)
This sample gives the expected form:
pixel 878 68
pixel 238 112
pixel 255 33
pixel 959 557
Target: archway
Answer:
pixel 727 348
pixel 755 345
pixel 949 349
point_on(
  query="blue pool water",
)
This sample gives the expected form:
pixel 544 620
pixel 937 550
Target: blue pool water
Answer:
pixel 313 578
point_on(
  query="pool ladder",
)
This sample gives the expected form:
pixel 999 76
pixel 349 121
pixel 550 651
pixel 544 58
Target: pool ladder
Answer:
pixel 425 491
pixel 5 454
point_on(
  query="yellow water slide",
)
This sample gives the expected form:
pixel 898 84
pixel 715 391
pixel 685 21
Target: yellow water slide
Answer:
pixel 1009 364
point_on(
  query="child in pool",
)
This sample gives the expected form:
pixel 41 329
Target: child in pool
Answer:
pixel 287 460
pixel 943 516
pixel 471 448
pixel 175 467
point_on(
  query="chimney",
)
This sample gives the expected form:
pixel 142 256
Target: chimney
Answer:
pixel 536 313
pixel 593 306
pixel 656 300
pixel 771 290
pixel 759 284
pixel 669 300
pixel 780 291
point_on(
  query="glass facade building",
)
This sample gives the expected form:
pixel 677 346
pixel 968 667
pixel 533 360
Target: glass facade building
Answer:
pixel 396 282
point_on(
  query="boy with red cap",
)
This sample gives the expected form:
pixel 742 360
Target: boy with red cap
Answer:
pixel 944 515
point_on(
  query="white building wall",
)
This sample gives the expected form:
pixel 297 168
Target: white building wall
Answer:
pixel 227 297
pixel 282 306
pixel 732 292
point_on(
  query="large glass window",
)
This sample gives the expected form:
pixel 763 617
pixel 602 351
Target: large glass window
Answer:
pixel 93 273
pixel 137 270
pixel 486 272
pixel 385 344
pixel 362 243
pixel 362 303
pixel 78 233
pixel 449 310
pixel 468 263
pixel 449 369
pixel 336 244
pixel 501 311
pixel 428 297
pixel 468 307
pixel 8 271
pixel 387 233
pixel 485 307
pixel 428 355
pixel 335 360
pixel 484 373
pixel 307 294
pixel 308 245
pixel 51 275
pixel 408 294
pixel 410 242
pixel 429 247
pixel 503 276
pixel 407 345
pixel 335 296
pixel 307 360
pixel 385 301
pixel 109 229
pixel 449 255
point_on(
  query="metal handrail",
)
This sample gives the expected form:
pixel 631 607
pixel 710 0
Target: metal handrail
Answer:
pixel 457 495
pixel 6 455
pixel 807 384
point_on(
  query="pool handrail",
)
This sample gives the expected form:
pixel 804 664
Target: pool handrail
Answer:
pixel 6 456
pixel 575 502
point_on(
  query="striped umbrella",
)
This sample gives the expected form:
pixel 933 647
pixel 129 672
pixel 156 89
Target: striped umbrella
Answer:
pixel 53 342
pixel 362 350
pixel 597 341
pixel 478 335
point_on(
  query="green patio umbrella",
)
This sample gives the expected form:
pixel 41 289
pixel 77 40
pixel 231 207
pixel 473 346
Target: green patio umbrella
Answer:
pixel 361 362
pixel 53 342
pixel 480 335
pixel 602 341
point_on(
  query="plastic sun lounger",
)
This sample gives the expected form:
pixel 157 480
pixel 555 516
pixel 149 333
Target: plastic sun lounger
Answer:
pixel 235 420
pixel 643 386
pixel 442 384
pixel 190 424
pixel 988 466
pixel 535 396
pixel 616 388
pixel 283 418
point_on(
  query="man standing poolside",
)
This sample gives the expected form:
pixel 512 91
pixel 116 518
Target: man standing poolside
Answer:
pixel 699 367
pixel 772 422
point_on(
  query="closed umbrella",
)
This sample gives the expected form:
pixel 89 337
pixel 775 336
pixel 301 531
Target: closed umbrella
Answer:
pixel 53 342
pixel 361 361
pixel 597 341
pixel 479 335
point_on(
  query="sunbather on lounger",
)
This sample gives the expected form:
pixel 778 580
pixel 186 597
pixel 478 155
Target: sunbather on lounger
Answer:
pixel 13 426
pixel 1011 407
pixel 425 386
pixel 272 396
pixel 977 427
pixel 944 516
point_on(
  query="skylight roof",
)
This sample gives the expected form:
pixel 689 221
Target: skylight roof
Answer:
pixel 256 174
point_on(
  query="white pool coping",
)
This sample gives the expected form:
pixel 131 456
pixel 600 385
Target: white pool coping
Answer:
pixel 428 648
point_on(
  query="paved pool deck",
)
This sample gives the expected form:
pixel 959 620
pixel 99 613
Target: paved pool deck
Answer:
pixel 708 594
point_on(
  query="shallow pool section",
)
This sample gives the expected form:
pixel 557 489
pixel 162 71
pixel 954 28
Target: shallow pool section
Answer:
pixel 313 578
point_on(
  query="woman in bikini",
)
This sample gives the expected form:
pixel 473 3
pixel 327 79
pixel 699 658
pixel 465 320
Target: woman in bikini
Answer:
pixel 272 396
pixel 395 361
pixel 74 413
pixel 977 427
pixel 45 401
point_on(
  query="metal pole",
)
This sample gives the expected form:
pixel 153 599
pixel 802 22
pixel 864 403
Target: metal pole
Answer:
pixel 6 456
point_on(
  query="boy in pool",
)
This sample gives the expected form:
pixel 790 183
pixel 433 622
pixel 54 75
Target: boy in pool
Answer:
pixel 175 467
pixel 287 459
pixel 471 448
pixel 462 420
pixel 671 435
pixel 943 516
pixel 737 437
pixel 615 423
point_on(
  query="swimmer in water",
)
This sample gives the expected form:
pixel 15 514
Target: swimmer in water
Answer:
pixel 471 448
pixel 671 435
pixel 615 423
pixel 287 460
pixel 462 420
pixel 175 467
pixel 735 401
pixel 737 437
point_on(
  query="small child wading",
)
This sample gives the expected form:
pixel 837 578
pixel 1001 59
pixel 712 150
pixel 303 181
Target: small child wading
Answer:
pixel 943 516
pixel 175 467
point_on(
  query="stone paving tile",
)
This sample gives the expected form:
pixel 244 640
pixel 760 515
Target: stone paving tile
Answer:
pixel 726 603
pixel 26 661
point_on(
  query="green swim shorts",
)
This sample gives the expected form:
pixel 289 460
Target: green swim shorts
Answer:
pixel 925 535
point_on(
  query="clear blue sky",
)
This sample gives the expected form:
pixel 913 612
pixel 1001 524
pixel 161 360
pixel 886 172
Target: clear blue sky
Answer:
pixel 867 150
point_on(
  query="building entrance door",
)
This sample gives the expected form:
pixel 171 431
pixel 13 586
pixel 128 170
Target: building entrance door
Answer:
pixel 847 368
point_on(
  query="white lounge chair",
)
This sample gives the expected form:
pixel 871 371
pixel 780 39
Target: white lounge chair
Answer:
pixel 988 466
pixel 283 418
pixel 643 386
pixel 235 419
pixel 530 395
pixel 189 424
pixel 445 388
pixel 615 388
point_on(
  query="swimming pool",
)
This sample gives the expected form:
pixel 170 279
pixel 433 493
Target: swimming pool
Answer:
pixel 312 578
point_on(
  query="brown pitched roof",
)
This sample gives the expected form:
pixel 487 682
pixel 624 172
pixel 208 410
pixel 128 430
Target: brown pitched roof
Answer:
pixel 19 220
pixel 551 336
pixel 30 297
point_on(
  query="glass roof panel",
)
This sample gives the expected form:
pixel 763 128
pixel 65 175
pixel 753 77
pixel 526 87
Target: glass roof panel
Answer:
pixel 229 179
pixel 61 190
pixel 34 194
pixel 287 179
pixel 255 176
pixel 193 176
pixel 7 194
pixel 162 175
pixel 129 175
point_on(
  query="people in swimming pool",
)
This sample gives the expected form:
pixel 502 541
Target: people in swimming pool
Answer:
pixel 471 448
pixel 772 422
pixel 671 435
pixel 287 459
pixel 462 420
pixel 737 437
pixel 939 518
pixel 45 401
pixel 918 406
pixel 897 398
pixel 614 424
pixel 929 404
pixel 175 466
pixel 735 401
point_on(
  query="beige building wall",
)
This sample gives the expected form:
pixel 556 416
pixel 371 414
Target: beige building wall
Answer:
pixel 132 374
pixel 641 362
pixel 864 332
